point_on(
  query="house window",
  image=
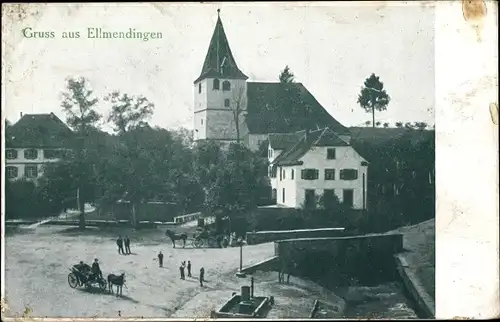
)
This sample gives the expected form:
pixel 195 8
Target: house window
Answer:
pixel 274 194
pixel 330 154
pixel 293 174
pixel 328 198
pixel 51 154
pixel 281 175
pixel 30 154
pixel 31 171
pixel 273 172
pixel 284 174
pixel 11 154
pixel 283 195
pixel 216 84
pixel 309 174
pixel 348 174
pixel 11 172
pixel 201 121
pixel 226 102
pixel 329 174
pixel 226 86
pixel 199 88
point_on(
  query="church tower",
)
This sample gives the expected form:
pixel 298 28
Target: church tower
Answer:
pixel 219 92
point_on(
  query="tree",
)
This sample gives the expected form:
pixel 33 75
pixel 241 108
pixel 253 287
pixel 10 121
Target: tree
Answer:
pixel 377 123
pixel 79 105
pixel 408 125
pixel 386 125
pixel 399 124
pixel 128 112
pixel 373 96
pixel 367 123
pixel 238 110
pixel 420 125
pixel 286 76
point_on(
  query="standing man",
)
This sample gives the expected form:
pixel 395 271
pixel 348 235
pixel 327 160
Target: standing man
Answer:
pixel 96 270
pixel 189 268
pixel 160 259
pixel 127 245
pixel 202 276
pixel 119 243
pixel 181 270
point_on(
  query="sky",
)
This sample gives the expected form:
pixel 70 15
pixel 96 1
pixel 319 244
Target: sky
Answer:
pixel 330 47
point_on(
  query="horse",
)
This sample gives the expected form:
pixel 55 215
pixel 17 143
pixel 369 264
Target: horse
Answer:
pixel 118 280
pixel 173 237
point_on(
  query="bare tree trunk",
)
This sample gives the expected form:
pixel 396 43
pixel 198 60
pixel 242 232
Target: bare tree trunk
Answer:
pixel 81 208
pixel 373 116
pixel 134 217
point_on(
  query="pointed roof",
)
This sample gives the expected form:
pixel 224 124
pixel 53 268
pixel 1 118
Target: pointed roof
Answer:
pixel 219 61
pixel 320 138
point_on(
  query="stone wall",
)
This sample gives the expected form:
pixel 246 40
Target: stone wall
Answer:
pixel 367 257
pixel 269 236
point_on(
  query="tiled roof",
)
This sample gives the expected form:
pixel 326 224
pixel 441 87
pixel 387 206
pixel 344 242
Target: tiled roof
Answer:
pixel 38 130
pixel 284 141
pixel 219 61
pixel 324 137
pixel 266 98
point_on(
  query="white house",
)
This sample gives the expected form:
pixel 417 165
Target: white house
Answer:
pixel 34 140
pixel 308 164
pixel 223 97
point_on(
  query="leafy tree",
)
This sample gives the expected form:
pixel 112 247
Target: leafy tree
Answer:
pixel 386 125
pixel 399 124
pixel 377 123
pixel 373 97
pixel 408 125
pixel 367 123
pixel 128 112
pixel 286 76
pixel 420 125
pixel 79 105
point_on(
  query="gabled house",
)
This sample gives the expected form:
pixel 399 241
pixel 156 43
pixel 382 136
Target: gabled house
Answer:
pixel 307 164
pixel 34 140
pixel 224 98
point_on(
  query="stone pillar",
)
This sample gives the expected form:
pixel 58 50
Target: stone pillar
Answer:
pixel 245 293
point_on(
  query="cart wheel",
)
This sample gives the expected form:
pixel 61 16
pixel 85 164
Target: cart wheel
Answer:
pixel 72 280
pixel 198 242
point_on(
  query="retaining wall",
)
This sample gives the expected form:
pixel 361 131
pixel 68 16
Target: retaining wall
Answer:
pixel 259 237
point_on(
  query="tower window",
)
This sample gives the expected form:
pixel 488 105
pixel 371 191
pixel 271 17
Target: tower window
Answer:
pixel 216 84
pixel 199 88
pixel 226 102
pixel 226 86
pixel 201 121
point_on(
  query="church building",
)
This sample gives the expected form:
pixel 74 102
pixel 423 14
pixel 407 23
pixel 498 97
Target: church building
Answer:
pixel 230 108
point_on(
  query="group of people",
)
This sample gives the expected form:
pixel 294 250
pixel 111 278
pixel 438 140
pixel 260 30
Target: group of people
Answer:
pixel 85 271
pixel 182 268
pixel 121 242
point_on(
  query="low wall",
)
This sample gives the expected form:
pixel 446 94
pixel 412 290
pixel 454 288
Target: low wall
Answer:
pixel 350 255
pixel 187 218
pixel 412 284
pixel 275 235
pixel 270 264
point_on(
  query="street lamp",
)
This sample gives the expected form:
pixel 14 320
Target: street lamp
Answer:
pixel 240 273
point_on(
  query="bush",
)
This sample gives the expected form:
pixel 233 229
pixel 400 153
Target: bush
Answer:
pixel 25 200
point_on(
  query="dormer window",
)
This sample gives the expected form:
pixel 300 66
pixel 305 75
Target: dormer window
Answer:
pixel 216 84
pixel 11 154
pixel 199 88
pixel 30 154
pixel 226 86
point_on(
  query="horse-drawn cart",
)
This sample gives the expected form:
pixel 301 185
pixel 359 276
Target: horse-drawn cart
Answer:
pixel 200 239
pixel 84 278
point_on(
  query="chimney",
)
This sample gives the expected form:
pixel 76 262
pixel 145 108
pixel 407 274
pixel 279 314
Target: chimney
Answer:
pixel 20 114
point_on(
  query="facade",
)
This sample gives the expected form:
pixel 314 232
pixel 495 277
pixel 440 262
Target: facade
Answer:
pixel 32 142
pixel 307 164
pixel 224 98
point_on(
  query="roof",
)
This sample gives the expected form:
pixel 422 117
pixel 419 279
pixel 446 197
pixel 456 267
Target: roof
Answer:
pixel 323 137
pixel 266 101
pixel 38 130
pixel 219 61
pixel 284 141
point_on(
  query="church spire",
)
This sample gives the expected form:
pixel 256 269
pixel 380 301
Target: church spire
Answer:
pixel 219 61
